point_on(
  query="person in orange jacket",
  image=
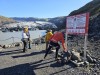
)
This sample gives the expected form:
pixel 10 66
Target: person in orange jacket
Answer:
pixel 57 37
pixel 47 37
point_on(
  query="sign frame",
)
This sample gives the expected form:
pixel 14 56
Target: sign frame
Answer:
pixel 75 21
pixel 85 33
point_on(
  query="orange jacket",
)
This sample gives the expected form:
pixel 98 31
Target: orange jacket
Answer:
pixel 58 36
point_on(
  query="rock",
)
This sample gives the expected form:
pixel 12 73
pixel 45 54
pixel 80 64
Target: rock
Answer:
pixel 77 64
pixel 36 41
pixel 73 49
pixel 20 44
pixel 86 63
pixel 94 61
pixel 5 46
pixel 1 48
pixel 17 44
pixel 89 59
pixel 9 46
pixel 42 40
pixel 75 56
pixel 12 45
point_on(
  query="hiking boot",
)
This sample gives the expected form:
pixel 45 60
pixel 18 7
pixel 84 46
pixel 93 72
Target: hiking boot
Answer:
pixel 23 50
pixel 58 58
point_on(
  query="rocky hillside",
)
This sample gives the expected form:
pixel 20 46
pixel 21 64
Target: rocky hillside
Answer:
pixel 5 20
pixel 60 22
pixel 93 8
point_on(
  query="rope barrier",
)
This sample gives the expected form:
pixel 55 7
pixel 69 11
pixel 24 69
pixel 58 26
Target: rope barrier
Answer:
pixel 17 37
pixel 10 38
pixel 6 39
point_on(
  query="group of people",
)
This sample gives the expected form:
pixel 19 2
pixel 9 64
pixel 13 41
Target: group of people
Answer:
pixel 50 39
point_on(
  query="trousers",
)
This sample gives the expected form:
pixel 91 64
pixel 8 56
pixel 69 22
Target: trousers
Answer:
pixel 52 44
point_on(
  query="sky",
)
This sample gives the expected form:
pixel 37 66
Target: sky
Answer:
pixel 39 8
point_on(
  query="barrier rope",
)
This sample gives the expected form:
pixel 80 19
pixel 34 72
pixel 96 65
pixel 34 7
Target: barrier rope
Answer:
pixel 10 38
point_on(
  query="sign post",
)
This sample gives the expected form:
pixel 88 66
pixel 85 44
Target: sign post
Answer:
pixel 78 24
pixel 85 47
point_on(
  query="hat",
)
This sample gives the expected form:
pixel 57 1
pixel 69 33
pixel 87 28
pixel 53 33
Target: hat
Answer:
pixel 25 27
pixel 49 30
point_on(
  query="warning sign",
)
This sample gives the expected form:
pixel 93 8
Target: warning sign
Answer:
pixel 77 24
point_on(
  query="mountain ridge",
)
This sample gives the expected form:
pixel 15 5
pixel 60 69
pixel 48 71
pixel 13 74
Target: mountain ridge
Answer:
pixel 92 7
pixel 5 20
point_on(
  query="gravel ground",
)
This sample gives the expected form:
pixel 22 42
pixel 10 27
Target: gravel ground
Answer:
pixel 14 62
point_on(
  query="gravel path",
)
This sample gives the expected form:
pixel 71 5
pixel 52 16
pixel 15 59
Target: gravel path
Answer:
pixel 14 62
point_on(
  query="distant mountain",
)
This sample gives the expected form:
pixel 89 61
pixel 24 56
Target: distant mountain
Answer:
pixel 58 21
pixel 92 7
pixel 41 23
pixel 27 19
pixel 5 20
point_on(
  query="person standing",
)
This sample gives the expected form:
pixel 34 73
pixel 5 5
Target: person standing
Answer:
pixel 25 38
pixel 29 41
pixel 57 37
pixel 47 37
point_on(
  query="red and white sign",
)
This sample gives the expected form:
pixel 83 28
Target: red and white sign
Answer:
pixel 77 24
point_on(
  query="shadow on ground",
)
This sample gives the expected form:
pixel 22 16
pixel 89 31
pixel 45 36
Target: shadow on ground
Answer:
pixel 11 52
pixel 68 66
pixel 29 68
pixel 57 64
pixel 41 64
pixel 26 55
pixel 23 69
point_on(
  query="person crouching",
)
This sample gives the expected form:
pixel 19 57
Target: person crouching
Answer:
pixel 57 37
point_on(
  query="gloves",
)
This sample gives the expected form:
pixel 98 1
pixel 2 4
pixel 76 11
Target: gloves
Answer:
pixel 67 53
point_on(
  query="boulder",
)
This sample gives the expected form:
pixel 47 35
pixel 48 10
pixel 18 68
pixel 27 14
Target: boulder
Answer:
pixel 75 56
pixel 89 58
pixel 5 46
pixel 76 63
pixel 1 48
